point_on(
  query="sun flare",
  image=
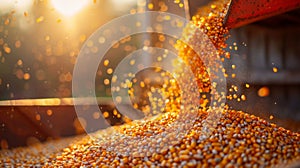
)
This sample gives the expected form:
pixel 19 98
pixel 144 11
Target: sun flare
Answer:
pixel 69 7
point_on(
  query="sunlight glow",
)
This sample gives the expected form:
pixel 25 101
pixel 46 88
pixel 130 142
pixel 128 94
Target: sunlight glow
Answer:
pixel 69 7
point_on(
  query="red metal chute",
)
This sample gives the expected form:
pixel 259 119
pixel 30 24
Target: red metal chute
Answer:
pixel 242 12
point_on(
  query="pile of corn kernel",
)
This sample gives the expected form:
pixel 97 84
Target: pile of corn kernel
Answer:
pixel 238 140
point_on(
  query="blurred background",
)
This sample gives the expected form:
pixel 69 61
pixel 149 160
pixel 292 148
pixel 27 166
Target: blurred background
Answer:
pixel 267 68
pixel 40 40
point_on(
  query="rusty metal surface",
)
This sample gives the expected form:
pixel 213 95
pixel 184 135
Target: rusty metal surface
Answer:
pixel 242 12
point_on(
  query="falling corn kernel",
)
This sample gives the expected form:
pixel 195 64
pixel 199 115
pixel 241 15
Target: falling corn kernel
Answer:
pixel 119 116
pixel 115 112
pixel 247 85
pixel 26 76
pixel 177 1
pixel 96 115
pixel 49 112
pixel 142 84
pixel 275 69
pixel 18 44
pixel 40 19
pixel 227 55
pixel 106 62
pixel 263 92
pixel 118 99
pixel 106 81
pixel 19 62
pixel 132 62
pixel 106 114
pixel 109 71
pixel 235 88
pixel 6 49
pixel 114 79
pixel 38 117
pixel 233 75
pixel 150 6
pixel 271 117
pixel 243 97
